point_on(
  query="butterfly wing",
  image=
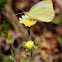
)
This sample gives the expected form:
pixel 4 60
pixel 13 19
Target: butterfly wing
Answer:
pixel 45 3
pixel 42 11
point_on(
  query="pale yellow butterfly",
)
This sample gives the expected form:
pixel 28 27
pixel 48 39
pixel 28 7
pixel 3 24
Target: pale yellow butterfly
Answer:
pixel 42 11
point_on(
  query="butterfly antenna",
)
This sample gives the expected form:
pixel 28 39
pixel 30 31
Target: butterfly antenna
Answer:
pixel 20 9
pixel 19 13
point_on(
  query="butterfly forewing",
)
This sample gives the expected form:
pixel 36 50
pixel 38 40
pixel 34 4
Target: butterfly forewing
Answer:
pixel 42 11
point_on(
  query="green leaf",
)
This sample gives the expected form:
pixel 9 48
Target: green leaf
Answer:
pixel 1 58
pixel 23 44
pixel 4 27
pixel 57 20
pixel 14 54
pixel 2 4
pixel 37 40
pixel 8 60
pixel 12 58
pixel 4 34
pixel 60 39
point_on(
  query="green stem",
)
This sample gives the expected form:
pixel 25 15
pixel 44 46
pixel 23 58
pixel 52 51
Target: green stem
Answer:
pixel 29 33
pixel 31 56
pixel 12 52
pixel 29 30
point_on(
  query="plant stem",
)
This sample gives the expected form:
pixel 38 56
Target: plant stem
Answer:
pixel 29 30
pixel 12 52
pixel 29 33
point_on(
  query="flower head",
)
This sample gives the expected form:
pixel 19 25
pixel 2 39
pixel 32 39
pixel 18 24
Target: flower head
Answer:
pixel 9 39
pixel 27 21
pixel 29 45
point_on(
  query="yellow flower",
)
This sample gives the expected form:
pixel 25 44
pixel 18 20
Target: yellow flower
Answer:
pixel 29 45
pixel 27 21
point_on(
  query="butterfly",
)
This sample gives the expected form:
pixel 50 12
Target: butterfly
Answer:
pixel 42 11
